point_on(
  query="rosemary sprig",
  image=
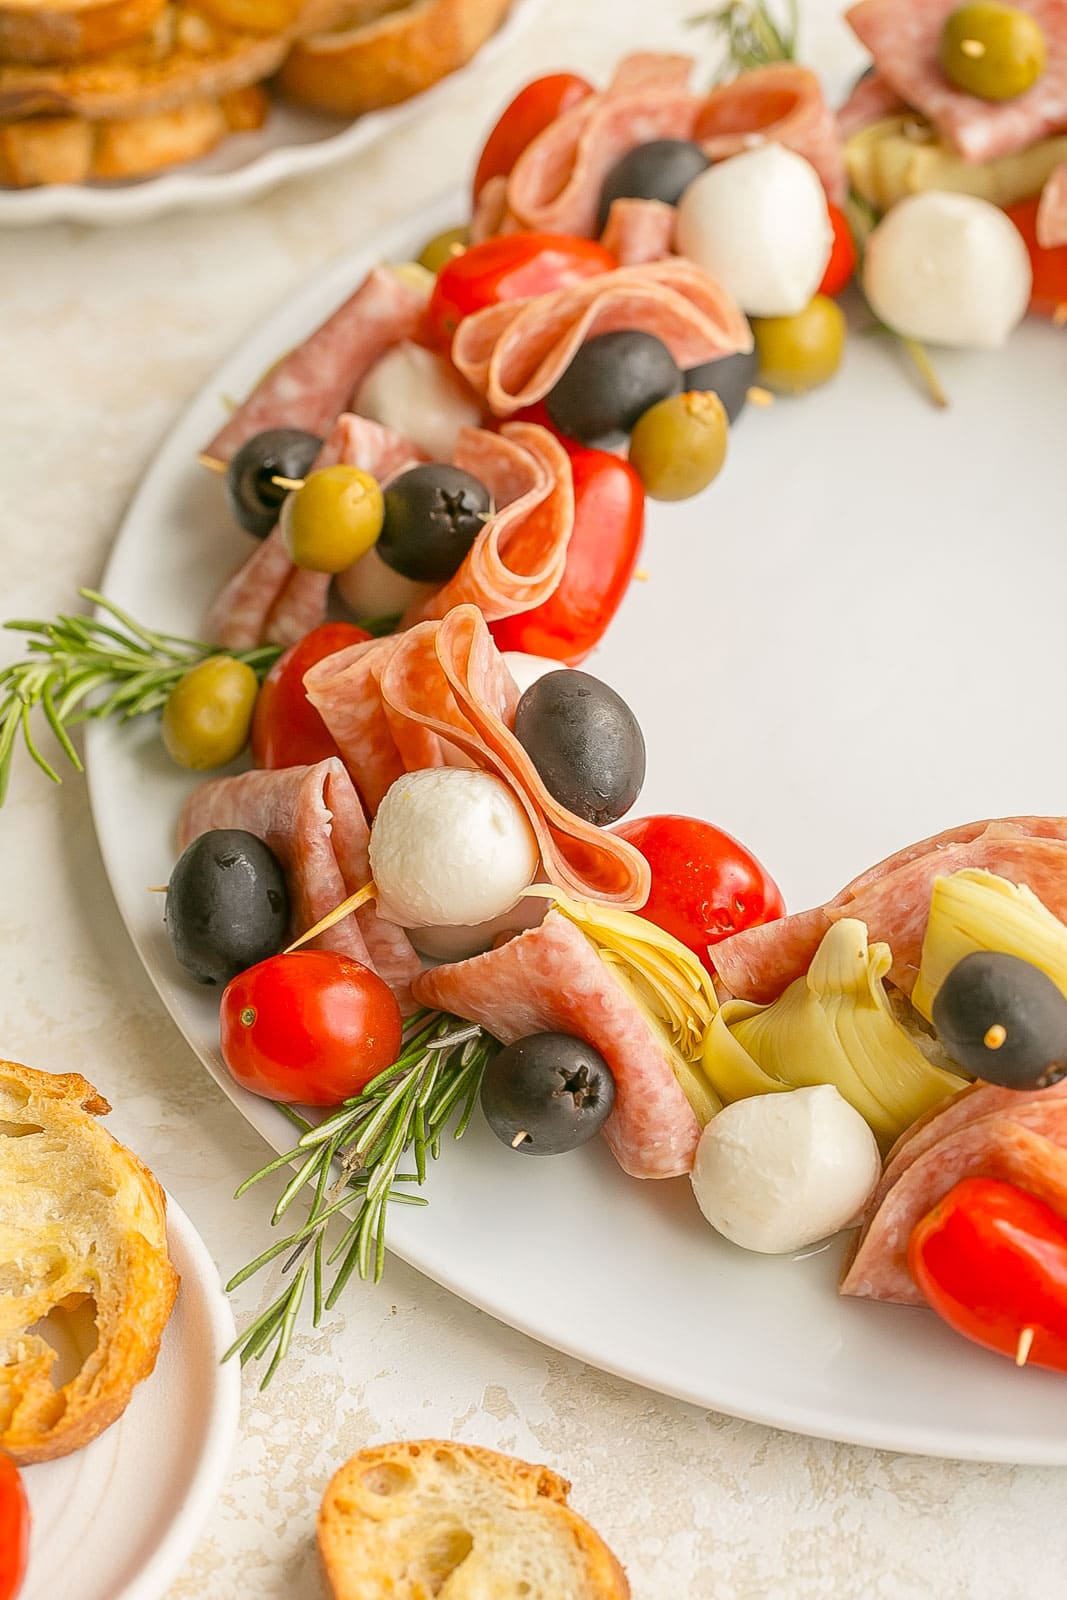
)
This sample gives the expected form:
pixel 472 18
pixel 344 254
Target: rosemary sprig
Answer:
pixel 753 35
pixel 79 667
pixel 405 1108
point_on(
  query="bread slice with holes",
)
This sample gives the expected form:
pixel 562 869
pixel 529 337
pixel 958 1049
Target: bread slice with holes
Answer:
pixel 81 1219
pixel 435 1518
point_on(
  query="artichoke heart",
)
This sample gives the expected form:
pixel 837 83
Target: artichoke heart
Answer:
pixel 977 910
pixel 835 1025
pixel 902 155
pixel 664 979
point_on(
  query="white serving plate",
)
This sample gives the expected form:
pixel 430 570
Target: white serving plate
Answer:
pixel 851 641
pixel 116 1520
pixel 292 143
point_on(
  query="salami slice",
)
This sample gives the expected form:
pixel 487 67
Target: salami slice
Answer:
pixel 871 99
pixel 1052 210
pixel 271 601
pixel 1025 1148
pixel 904 38
pixel 440 695
pixel 513 353
pixel 638 231
pixel 312 819
pixel 313 384
pixel 552 979
pixel 780 104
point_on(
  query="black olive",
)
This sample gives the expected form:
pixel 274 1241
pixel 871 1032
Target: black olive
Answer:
pixel 547 1094
pixel 1002 1019
pixel 255 499
pixel 663 169
pixel 433 514
pixel 730 377
pixel 612 381
pixel 585 742
pixel 227 905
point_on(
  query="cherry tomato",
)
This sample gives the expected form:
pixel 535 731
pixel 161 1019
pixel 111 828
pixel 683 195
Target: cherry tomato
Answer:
pixel 705 885
pixel 1049 267
pixel 509 268
pixel 529 114
pixel 991 1259
pixel 842 262
pixel 14 1529
pixel 313 1027
pixel 287 731
pixel 609 523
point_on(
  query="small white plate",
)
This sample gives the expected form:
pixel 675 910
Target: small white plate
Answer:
pixel 116 1520
pixel 293 142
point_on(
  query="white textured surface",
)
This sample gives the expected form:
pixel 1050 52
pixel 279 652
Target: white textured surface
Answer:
pixel 105 336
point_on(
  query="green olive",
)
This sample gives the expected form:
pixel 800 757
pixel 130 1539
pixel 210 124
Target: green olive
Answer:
pixel 678 446
pixel 209 712
pixel 992 50
pixel 333 519
pixel 798 353
pixel 441 249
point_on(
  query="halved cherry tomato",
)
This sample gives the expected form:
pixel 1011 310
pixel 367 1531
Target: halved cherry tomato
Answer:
pixel 529 114
pixel 609 523
pixel 509 268
pixel 705 885
pixel 311 1027
pixel 991 1259
pixel 287 731
pixel 842 262
pixel 14 1529
pixel 1049 267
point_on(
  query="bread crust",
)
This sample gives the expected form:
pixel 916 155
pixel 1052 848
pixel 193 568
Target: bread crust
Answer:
pixel 350 71
pixel 80 1217
pixel 70 30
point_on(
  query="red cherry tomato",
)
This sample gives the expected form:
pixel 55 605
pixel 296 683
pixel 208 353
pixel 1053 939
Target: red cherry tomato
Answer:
pixel 842 262
pixel 14 1529
pixel 705 885
pixel 287 731
pixel 991 1260
pixel 1049 267
pixel 509 268
pixel 312 1027
pixel 609 523
pixel 529 114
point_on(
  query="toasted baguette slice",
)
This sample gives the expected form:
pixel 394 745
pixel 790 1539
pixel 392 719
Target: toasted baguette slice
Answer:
pixel 390 58
pixel 80 1218
pixel 40 31
pixel 437 1518
pixel 47 150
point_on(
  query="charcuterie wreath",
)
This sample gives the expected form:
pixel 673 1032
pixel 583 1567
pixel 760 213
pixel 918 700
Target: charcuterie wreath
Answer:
pixel 418 900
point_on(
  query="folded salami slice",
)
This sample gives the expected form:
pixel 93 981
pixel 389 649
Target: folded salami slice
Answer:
pixel 904 37
pixel 440 695
pixel 312 819
pixel 313 384
pixel 553 980
pixel 1052 210
pixel 514 353
pixel 271 601
pixel 893 899
pixel 638 231
pixel 780 104
pixel 1025 1147
pixel 871 99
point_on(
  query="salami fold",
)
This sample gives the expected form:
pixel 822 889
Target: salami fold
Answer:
pixel 1052 210
pixel 552 979
pixel 513 353
pixel 313 384
pixel 312 819
pixel 871 99
pixel 440 695
pixel 638 231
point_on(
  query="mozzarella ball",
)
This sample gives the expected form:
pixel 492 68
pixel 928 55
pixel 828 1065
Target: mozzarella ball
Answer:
pixel 370 589
pixel 779 1171
pixel 526 669
pixel 758 223
pixel 450 846
pixel 948 269
pixel 420 395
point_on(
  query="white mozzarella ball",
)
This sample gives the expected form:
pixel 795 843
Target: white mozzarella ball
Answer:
pixel 758 223
pixel 949 269
pixel 450 846
pixel 371 589
pixel 527 669
pixel 778 1172
pixel 420 395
